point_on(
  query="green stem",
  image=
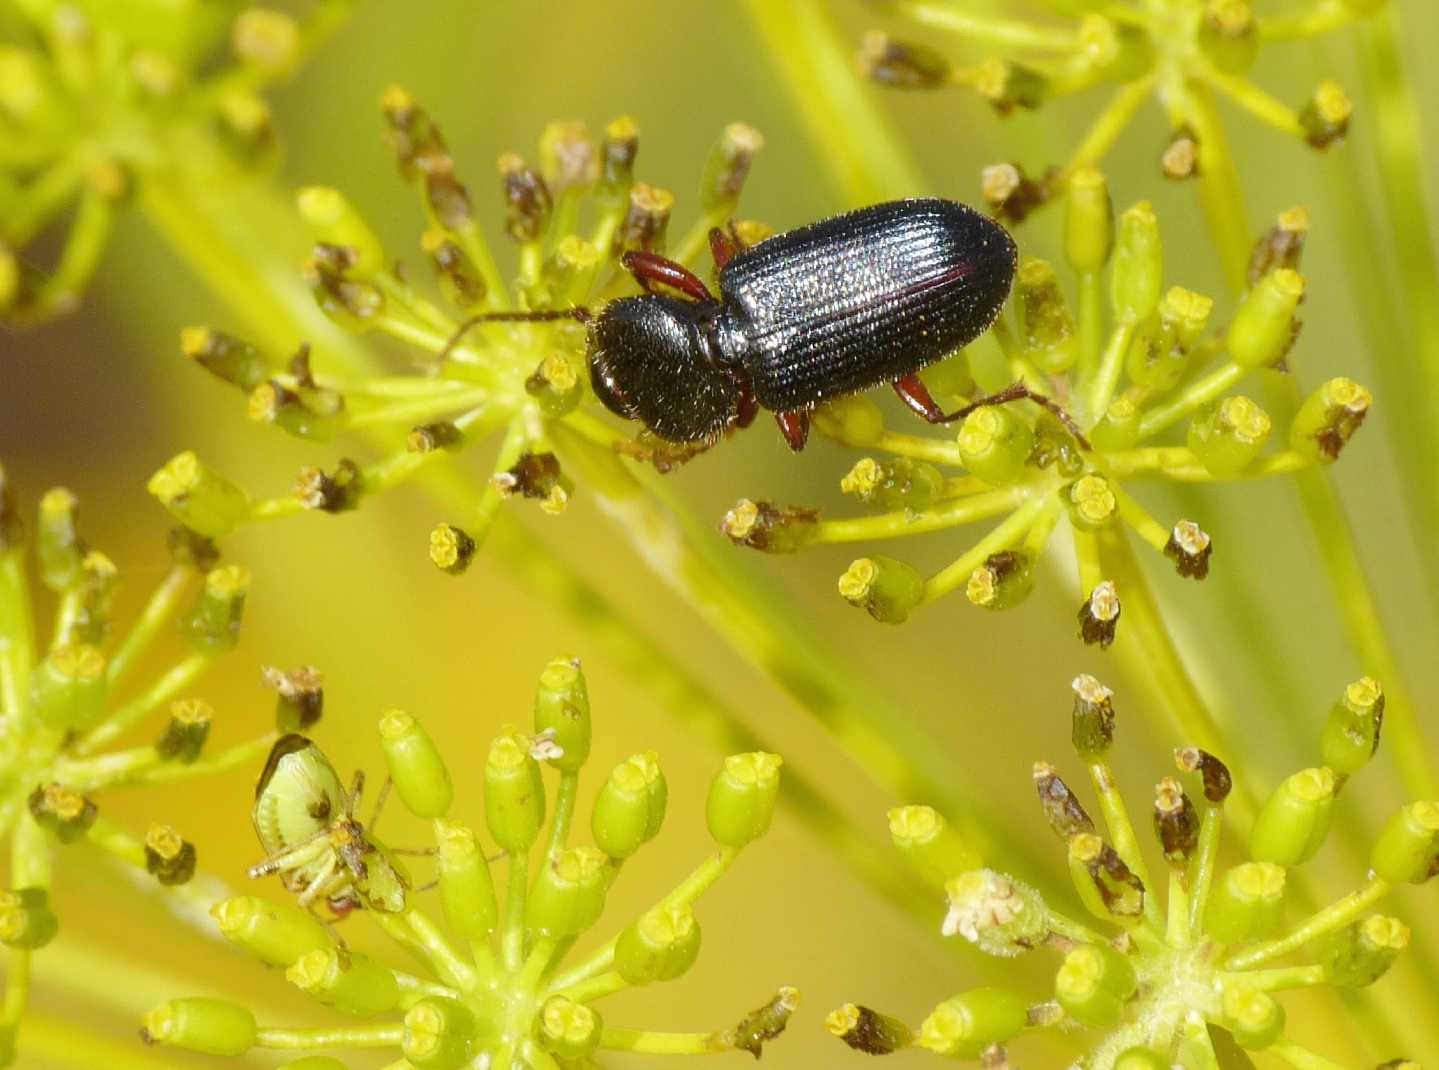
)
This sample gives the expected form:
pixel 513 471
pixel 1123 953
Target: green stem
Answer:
pixel 1200 878
pixel 1278 979
pixel 1121 834
pixel 163 602
pixel 17 638
pixel 593 988
pixel 152 698
pixel 369 1036
pixel 1002 536
pixel 652 1043
pixel 1337 914
pixel 565 796
pixel 911 522
pixel 1302 1058
pixel 512 937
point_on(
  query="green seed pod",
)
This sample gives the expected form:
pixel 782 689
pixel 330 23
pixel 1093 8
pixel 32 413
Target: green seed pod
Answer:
pixel 451 549
pixel 1118 428
pixel 299 697
pixel 1294 821
pixel 208 1026
pixel 1002 582
pixel 1227 436
pixel 1184 314
pixel 556 385
pixel 1094 983
pixel 467 891
pixel 660 945
pixel 930 844
pixel 26 920
pixel 742 797
pixel 460 281
pixel 169 858
pixel 1407 850
pixel 1263 327
pixel 726 169
pixel 1105 884
pixel 901 64
pixel 1062 809
pixel 58 544
pixel 304 409
pixel 1190 548
pixel 440 1033
pixel 851 421
pixel 266 39
pixel 199 497
pixel 514 793
pixel 189 727
pixel 569 892
pixel 867 1030
pixel 994 444
pixel 630 807
pixel 888 486
pixel 1042 317
pixel 69 687
pixel 213 623
pixel 1141 1059
pixel 646 220
pixel 1229 35
pixel 1007 85
pixel 275 933
pixel 1254 1018
pixel 965 1025
pixel 416 766
pixel 1247 903
pixel 1088 221
pixel 888 589
pixel 568 1029
pixel 570 271
pixel 1092 502
pixel 1091 721
pixel 1099 615
pixel 1121 52
pixel 1176 823
pixel 334 221
pixel 1327 419
pixel 562 706
pixel 1138 270
pixel 1351 734
pixel 770 528
pixel 1325 115
pixel 951 377
pixel 1359 954
pixel 346 981
pixel 66 814
pixel 998 914
pixel 618 150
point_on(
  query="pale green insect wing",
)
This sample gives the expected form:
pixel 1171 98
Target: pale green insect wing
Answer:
pixel 298 795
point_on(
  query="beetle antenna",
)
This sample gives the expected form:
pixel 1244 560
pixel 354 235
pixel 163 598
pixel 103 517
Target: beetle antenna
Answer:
pixel 1014 392
pixel 540 315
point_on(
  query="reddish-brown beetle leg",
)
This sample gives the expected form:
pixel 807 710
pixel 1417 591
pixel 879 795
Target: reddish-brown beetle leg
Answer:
pixel 747 408
pixel 651 269
pixel 794 426
pixel 723 247
pixel 916 395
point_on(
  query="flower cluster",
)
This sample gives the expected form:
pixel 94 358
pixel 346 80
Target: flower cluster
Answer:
pixel 572 217
pixel 1182 52
pixel 95 98
pixel 66 696
pixel 1107 394
pixel 1166 983
pixel 498 991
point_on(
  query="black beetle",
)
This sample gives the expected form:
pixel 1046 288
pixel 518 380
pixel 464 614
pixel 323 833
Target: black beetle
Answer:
pixel 820 312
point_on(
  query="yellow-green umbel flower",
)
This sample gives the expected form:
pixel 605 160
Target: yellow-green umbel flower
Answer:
pixel 1149 980
pixel 496 984
pixel 77 719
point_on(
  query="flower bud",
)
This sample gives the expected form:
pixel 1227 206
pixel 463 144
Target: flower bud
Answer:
pixel 208 1026
pixel 1180 158
pixel 1328 417
pixel 646 220
pixel 901 64
pixel 569 273
pixel 763 1023
pixel 213 623
pixel 334 221
pixel 331 492
pixel 1325 116
pixel 930 844
pixel 1255 1019
pixel 514 793
pixel 567 156
pixel 569 892
pixel 1062 810
pixel 440 1033
pixel 527 196
pixel 185 734
pixel 300 696
pixel 65 813
pixel 660 945
pixel 467 891
pixel 460 281
pixel 275 933
pixel 199 497
pixel 1099 615
pixel 630 807
pixel 1141 1059
pixel 998 914
pixel 1092 720
pixel 891 485
pixel 995 443
pixel 1002 582
pixel 867 1030
pixel 1214 773
pixel 1264 326
pixel 1094 983
pixel 769 527
pixel 59 546
pixel 168 858
pixel 1247 903
pixel 1294 821
pixel 1118 51
pixel 1281 246
pixel 1105 884
pixel 568 1029
pixel 1351 734
pixel 1407 850
pixel 305 410
pixel 951 377
pixel 266 39
pixel 1092 502
pixel 349 982
pixel 742 797
pixel 1138 268
pixel 1176 824
pixel 852 421
pixel 353 303
pixel 189 550
pixel 726 169
pixel 451 549
pixel 1043 320
pixel 26 920
pixel 1359 954
pixel 416 766
pixel 555 385
pixel 618 150
pixel 888 589
pixel 965 1025
pixel 1190 548
pixel 1229 35
pixel 1088 221
pixel 562 706
pixel 1008 85
pixel 69 687
pixel 1118 428
pixel 1228 435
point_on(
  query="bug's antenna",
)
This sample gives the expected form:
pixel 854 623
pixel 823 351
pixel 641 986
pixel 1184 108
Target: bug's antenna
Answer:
pixel 542 315
pixel 1014 392
pixel 380 802
pixel 357 791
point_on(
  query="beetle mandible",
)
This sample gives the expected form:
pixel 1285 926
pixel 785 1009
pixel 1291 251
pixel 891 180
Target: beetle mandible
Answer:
pixel 820 312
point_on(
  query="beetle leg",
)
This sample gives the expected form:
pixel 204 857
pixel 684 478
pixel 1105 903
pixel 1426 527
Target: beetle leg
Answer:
pixel 1015 391
pixel 916 395
pixel 723 247
pixel 651 269
pixel 794 425
pixel 748 407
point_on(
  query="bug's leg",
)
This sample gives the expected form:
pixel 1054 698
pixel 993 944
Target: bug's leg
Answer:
pixel 916 395
pixel 380 803
pixel 357 792
pixel 539 315
pixel 748 407
pixel 794 425
pixel 1015 391
pixel 414 852
pixel 723 246
pixel 651 270
pixel 305 851
pixel 313 889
